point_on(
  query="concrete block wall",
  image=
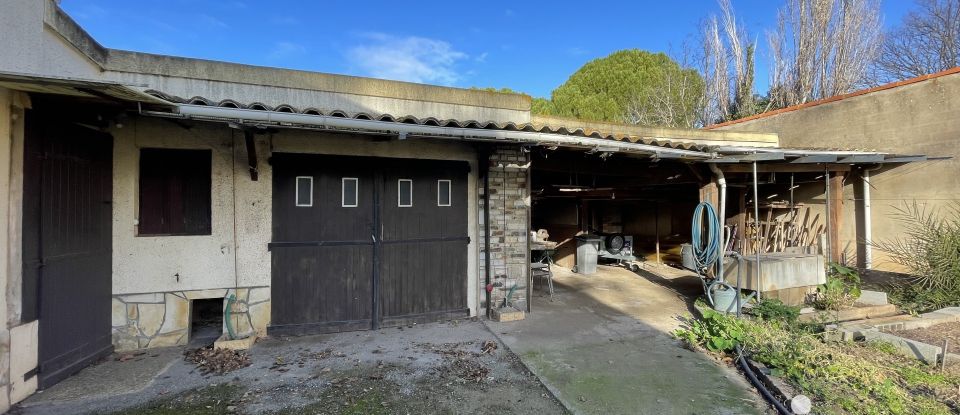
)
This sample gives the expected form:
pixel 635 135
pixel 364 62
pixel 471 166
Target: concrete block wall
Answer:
pixel 509 226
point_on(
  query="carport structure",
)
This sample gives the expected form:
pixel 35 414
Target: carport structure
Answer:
pixel 305 202
pixel 652 199
pixel 571 178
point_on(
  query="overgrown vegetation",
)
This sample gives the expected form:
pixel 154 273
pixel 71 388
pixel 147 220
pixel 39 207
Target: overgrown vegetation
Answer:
pixel 856 378
pixel 715 331
pixel 774 309
pixel 930 250
pixel 841 290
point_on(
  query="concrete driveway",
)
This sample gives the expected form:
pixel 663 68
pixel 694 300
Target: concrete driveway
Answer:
pixel 602 346
pixel 437 368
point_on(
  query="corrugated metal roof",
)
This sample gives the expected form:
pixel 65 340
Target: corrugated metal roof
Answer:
pixel 667 138
pixel 718 151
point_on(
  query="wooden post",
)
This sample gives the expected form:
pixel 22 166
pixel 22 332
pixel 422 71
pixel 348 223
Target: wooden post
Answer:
pixel 710 193
pixel 836 215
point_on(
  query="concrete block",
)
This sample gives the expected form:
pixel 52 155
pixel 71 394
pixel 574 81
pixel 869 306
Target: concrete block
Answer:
pixel 856 313
pixel 950 310
pixel 779 271
pixel 918 350
pixel 940 317
pixel 24 354
pixel 868 297
pixel 507 314
pixel 224 342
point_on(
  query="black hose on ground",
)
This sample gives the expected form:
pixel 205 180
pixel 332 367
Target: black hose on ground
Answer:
pixel 759 385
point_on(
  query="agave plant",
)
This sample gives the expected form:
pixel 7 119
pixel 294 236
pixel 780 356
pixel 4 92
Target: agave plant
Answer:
pixel 930 245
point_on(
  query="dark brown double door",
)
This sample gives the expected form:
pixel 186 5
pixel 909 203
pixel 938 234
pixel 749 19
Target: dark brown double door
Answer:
pixel 361 243
pixel 67 194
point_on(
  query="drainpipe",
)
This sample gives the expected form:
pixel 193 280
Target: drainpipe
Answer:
pixel 867 219
pixel 722 184
pixel 756 224
pixel 483 158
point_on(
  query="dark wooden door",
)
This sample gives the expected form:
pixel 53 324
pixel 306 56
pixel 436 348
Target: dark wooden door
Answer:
pixel 67 243
pixel 322 251
pixel 350 257
pixel 423 256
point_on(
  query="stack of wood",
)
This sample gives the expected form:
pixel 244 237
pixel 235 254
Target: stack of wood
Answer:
pixel 795 228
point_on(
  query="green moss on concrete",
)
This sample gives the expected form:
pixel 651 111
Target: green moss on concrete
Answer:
pixel 212 400
pixel 621 376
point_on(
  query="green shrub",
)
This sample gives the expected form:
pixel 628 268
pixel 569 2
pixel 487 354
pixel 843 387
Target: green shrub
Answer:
pixel 841 290
pixel 930 247
pixel 716 331
pixel 773 309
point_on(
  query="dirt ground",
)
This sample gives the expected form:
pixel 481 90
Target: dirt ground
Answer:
pixel 935 335
pixel 456 367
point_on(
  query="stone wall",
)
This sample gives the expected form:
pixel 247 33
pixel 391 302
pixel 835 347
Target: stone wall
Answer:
pixel 509 225
pixel 163 319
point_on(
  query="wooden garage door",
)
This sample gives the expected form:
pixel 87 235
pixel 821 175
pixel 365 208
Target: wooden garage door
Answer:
pixel 363 242
pixel 66 243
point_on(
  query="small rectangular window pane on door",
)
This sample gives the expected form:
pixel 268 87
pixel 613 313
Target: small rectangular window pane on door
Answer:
pixel 443 193
pixel 405 193
pixel 304 195
pixel 349 193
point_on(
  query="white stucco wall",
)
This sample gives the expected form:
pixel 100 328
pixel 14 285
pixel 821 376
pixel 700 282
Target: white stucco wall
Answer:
pixel 143 264
pixel 30 46
pixel 150 264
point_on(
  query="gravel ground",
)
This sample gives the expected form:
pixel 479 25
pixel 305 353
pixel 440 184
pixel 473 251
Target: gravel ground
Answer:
pixel 456 367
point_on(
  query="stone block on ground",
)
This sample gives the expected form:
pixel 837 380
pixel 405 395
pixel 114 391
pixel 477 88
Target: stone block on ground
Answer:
pixel 224 342
pixel 868 297
pixel 855 313
pixel 507 314
pixel 911 348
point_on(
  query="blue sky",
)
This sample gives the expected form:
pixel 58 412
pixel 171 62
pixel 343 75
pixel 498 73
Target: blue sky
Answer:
pixel 526 46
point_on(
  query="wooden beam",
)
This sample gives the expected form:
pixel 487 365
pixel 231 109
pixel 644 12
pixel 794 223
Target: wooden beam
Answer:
pixel 836 215
pixel 783 168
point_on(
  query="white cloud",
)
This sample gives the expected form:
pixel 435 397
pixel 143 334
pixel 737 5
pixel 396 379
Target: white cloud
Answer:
pixel 283 50
pixel 410 58
pixel 481 58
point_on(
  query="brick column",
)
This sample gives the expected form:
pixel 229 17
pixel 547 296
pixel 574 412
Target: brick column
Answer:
pixel 509 227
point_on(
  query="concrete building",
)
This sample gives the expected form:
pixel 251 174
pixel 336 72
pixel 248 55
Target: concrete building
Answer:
pixel 147 193
pixel 914 116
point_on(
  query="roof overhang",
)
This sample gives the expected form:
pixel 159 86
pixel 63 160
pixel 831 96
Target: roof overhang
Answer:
pixel 277 119
pixel 81 88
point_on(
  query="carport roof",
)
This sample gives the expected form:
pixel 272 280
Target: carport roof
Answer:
pixel 603 138
pixel 704 146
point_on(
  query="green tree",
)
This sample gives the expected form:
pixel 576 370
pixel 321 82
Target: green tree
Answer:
pixel 618 87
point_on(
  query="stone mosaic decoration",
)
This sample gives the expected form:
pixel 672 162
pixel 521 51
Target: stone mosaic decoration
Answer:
pixel 163 319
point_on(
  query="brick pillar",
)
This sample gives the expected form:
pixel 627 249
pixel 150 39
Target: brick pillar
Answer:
pixel 509 226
